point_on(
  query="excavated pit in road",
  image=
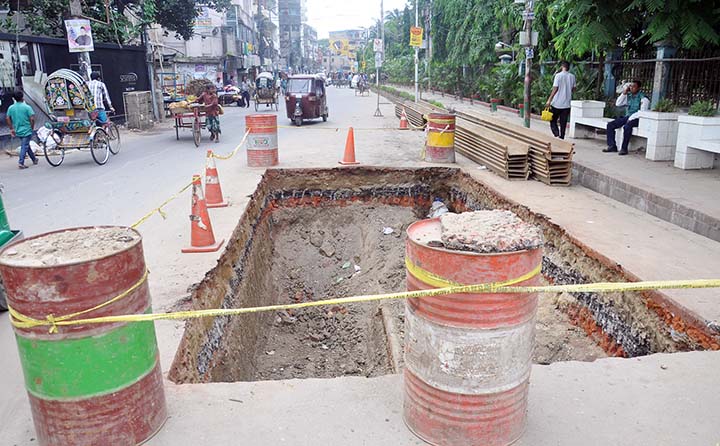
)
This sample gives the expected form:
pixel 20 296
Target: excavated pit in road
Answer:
pixel 311 234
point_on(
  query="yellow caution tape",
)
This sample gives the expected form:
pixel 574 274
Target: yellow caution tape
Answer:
pixel 440 282
pixel 21 321
pixel 159 208
pixel 235 150
pixel 186 187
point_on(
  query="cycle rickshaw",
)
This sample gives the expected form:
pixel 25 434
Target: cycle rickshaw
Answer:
pixel 71 107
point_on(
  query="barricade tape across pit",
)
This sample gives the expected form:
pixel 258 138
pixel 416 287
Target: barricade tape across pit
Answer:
pixel 53 322
pixel 159 209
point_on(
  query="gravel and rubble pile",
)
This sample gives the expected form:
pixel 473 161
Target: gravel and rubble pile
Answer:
pixel 488 232
pixel 71 246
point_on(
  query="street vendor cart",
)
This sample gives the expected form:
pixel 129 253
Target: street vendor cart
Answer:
pixel 189 116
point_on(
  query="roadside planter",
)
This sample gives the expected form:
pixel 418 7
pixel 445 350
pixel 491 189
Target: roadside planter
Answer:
pixel 696 133
pixel 661 129
pixel 494 103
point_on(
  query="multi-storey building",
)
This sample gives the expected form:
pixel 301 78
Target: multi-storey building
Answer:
pixel 292 17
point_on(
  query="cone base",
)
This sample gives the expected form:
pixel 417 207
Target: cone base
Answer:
pixel 209 248
pixel 349 163
pixel 217 205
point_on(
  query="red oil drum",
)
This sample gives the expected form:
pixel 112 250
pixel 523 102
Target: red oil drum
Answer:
pixel 467 356
pixel 440 145
pixel 93 384
pixel 262 142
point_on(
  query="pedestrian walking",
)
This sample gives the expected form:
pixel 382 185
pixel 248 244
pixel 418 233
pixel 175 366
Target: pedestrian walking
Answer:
pixel 212 112
pixel 245 91
pixel 559 100
pixel 636 101
pixel 20 118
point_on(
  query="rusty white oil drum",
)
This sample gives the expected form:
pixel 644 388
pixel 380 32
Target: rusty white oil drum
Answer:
pixel 468 356
pixel 440 145
pixel 91 384
pixel 262 142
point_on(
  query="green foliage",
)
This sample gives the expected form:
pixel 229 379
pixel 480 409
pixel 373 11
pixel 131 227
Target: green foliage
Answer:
pixel 45 17
pixel 437 103
pixel 703 108
pixel 665 106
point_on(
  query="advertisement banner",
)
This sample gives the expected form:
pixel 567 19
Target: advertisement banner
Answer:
pixel 416 36
pixel 79 35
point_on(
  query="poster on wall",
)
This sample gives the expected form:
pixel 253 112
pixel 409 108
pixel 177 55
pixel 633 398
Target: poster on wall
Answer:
pixel 79 35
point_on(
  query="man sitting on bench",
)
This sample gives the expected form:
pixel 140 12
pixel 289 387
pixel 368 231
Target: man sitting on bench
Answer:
pixel 635 101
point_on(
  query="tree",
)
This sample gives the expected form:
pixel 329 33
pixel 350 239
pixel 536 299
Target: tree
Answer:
pixel 127 17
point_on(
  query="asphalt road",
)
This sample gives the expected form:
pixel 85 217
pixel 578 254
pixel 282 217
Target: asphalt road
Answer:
pixel 150 167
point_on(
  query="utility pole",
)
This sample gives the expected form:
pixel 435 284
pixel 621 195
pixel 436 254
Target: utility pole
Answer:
pixel 84 57
pixel 261 30
pixel 528 15
pixel 417 50
pixel 381 31
pixel 428 39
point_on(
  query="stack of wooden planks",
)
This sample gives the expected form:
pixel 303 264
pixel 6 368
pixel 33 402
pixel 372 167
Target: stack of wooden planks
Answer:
pixel 415 111
pixel 503 155
pixel 550 159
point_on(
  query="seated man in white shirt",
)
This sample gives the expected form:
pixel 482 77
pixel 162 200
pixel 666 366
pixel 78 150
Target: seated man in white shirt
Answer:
pixel 635 101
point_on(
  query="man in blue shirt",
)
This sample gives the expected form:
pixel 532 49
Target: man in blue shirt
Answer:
pixel 21 120
pixel 636 102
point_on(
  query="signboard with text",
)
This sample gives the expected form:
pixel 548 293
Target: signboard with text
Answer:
pixel 416 36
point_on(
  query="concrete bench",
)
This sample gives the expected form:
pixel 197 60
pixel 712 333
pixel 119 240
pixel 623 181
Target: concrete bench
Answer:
pixel 657 132
pixel 586 117
pixel 698 142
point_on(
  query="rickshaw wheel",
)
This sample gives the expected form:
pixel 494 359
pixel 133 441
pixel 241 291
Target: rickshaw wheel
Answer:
pixel 324 118
pixel 298 121
pixel 196 133
pixel 54 156
pixel 256 105
pixel 114 135
pixel 100 147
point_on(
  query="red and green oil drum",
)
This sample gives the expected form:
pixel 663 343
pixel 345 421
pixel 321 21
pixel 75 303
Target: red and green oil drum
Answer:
pixel 440 144
pixel 262 142
pixel 467 356
pixel 90 384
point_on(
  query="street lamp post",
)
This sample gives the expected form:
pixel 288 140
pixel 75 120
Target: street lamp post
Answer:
pixel 501 45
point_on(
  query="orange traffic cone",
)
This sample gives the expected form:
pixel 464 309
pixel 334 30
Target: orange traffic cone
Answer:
pixel 403 120
pixel 213 192
pixel 349 157
pixel 202 238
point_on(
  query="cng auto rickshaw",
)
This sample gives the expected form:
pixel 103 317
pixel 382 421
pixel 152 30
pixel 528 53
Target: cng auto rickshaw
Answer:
pixel 306 98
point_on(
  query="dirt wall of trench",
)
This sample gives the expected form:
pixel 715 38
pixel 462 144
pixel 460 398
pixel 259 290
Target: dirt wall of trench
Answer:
pixel 222 349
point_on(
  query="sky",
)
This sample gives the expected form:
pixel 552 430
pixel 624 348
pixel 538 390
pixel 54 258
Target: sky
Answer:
pixel 332 15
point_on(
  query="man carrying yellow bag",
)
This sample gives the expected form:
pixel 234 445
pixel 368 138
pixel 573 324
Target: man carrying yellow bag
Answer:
pixel 559 100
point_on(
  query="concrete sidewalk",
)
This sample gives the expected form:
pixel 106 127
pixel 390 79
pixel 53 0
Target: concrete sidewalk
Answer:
pixel 654 400
pixel 686 198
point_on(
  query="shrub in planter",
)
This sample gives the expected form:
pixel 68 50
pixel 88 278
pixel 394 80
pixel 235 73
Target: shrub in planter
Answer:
pixel 703 108
pixel 665 106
